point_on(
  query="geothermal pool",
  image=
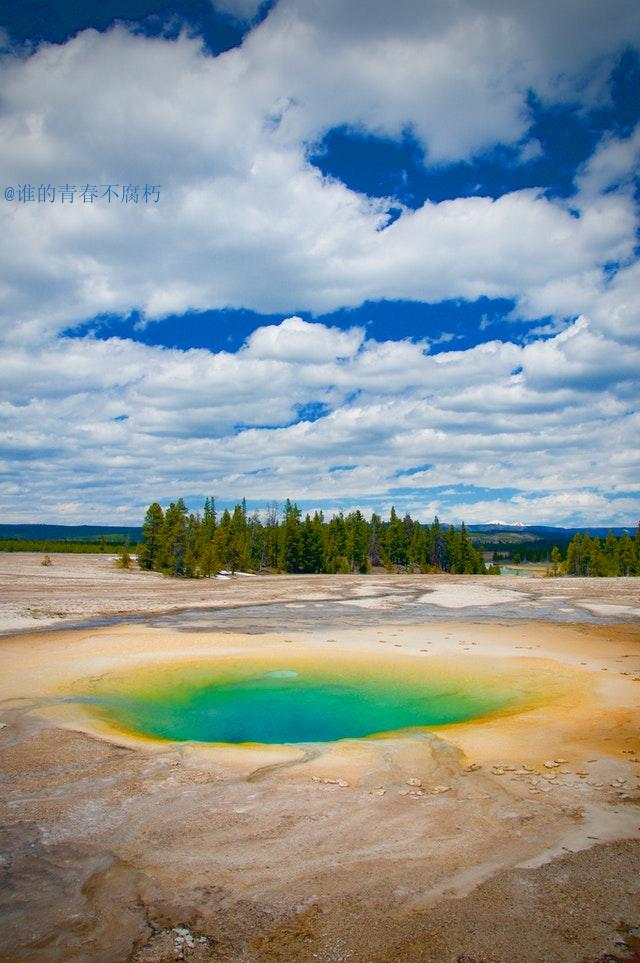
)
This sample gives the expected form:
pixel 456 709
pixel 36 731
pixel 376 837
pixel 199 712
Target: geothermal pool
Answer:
pixel 296 701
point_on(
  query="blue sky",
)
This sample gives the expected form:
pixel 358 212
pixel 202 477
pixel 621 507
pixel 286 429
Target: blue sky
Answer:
pixel 393 258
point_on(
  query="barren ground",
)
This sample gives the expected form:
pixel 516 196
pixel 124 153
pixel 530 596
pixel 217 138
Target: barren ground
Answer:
pixel 453 845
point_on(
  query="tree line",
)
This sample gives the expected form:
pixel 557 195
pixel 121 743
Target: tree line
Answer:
pixel 177 542
pixel 86 547
pixel 597 557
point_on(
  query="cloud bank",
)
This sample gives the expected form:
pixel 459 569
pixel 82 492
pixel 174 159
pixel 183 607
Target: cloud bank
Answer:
pixel 547 427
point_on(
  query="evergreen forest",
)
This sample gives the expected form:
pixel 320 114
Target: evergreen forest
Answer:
pixel 601 557
pixel 177 542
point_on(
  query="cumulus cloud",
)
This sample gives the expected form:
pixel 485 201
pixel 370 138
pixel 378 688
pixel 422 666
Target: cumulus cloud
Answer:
pixel 298 340
pixel 566 509
pixel 99 418
pixel 244 220
pixel 614 164
pixel 459 74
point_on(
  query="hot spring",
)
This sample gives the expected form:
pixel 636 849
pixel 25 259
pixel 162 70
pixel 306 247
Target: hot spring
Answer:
pixel 299 700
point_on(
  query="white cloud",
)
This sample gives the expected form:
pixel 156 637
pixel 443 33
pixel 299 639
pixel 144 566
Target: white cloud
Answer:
pixel 297 340
pixel 202 422
pixel 615 163
pixel 569 508
pixel 457 73
pixel 245 221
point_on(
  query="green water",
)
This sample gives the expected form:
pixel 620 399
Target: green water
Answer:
pixel 292 705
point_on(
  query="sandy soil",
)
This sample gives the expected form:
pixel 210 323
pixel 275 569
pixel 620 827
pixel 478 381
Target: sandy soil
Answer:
pixel 458 844
pixel 78 588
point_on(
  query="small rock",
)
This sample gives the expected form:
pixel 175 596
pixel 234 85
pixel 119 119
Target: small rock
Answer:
pixel 378 792
pixel 551 764
pixel 473 767
pixel 342 783
pixel 414 781
pixel 439 789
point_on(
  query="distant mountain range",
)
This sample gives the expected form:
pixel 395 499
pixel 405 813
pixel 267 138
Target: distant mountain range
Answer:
pixel 546 532
pixel 70 533
pixel 493 531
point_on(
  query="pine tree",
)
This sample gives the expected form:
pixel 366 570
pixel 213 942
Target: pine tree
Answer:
pixel 336 550
pixel 574 555
pixel 610 556
pixel 312 545
pixel 357 543
pixel 374 540
pixel 238 544
pixel 397 540
pixel 439 558
pixel 173 539
pixel 192 567
pixel 455 563
pixel 627 555
pixel 151 533
pixel 291 538
pixel 221 541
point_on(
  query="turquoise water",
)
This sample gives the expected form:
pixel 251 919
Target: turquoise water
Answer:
pixel 287 705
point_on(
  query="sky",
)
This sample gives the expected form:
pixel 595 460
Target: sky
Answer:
pixel 357 254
